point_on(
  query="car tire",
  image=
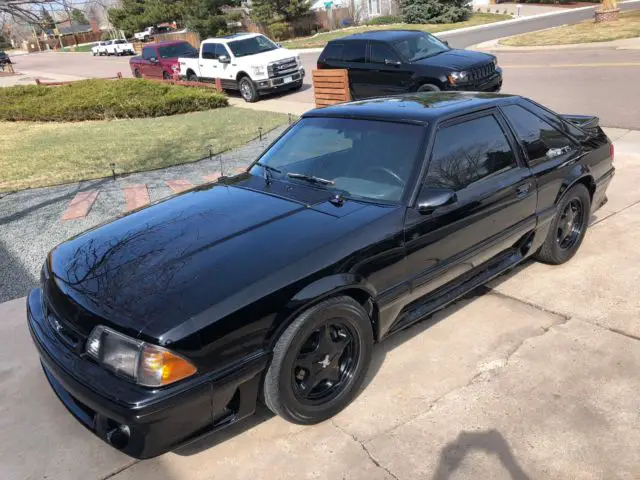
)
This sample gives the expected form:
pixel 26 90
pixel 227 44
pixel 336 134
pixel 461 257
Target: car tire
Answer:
pixel 296 86
pixel 428 87
pixel 248 90
pixel 192 77
pixel 166 76
pixel 568 227
pixel 136 73
pixel 333 339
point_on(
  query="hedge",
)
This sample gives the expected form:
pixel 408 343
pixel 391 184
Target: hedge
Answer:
pixel 103 100
pixel 385 20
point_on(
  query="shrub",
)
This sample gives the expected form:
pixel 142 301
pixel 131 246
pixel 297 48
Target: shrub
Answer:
pixel 103 100
pixel 280 30
pixel 385 20
pixel 436 11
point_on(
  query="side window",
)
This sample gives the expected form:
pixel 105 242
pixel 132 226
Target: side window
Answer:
pixel 467 152
pixel 381 52
pixel 540 139
pixel 209 51
pixel 221 50
pixel 148 53
pixel 354 52
pixel 333 51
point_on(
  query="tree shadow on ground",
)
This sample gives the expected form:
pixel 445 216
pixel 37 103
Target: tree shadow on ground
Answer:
pixel 489 441
pixel 15 280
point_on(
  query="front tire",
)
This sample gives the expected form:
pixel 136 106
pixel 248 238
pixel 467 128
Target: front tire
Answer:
pixel 136 73
pixel 248 90
pixel 428 87
pixel 568 227
pixel 297 86
pixel 319 362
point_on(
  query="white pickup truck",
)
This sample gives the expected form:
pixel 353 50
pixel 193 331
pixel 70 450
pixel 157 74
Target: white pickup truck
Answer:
pixel 248 62
pixel 120 47
pixel 145 35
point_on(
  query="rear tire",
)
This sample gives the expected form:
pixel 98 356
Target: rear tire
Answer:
pixel 191 76
pixel 568 227
pixel 428 87
pixel 332 341
pixel 166 76
pixel 136 73
pixel 248 90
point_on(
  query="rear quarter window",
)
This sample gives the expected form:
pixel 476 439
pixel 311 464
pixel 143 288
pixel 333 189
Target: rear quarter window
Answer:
pixel 333 51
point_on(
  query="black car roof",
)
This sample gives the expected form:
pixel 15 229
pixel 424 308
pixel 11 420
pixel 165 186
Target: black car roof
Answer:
pixel 415 107
pixel 383 35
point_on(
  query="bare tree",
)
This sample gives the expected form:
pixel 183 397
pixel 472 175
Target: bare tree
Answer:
pixel 25 10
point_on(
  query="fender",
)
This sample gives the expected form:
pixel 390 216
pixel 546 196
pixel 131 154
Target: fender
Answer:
pixel 319 290
pixel 578 174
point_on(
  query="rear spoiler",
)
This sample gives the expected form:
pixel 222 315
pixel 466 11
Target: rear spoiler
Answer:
pixel 587 123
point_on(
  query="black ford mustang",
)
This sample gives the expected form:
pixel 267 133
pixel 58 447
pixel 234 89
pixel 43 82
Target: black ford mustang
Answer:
pixel 361 219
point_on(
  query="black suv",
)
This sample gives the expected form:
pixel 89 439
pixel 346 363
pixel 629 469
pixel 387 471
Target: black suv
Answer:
pixel 4 58
pixel 387 62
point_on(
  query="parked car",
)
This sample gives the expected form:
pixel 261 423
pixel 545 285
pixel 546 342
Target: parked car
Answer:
pixel 4 58
pixel 145 35
pixel 358 221
pixel 120 47
pixel 388 62
pixel 100 48
pixel 160 60
pixel 248 62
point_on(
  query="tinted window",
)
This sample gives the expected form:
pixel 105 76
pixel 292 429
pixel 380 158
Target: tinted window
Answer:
pixel 120 42
pixel 252 46
pixel 417 46
pixel 333 51
pixel 365 159
pixel 178 50
pixel 540 140
pixel 221 50
pixel 381 52
pixel 550 116
pixel 148 53
pixel 354 52
pixel 467 152
pixel 209 51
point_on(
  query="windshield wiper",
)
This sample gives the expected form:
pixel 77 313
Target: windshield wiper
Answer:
pixel 311 178
pixel 267 169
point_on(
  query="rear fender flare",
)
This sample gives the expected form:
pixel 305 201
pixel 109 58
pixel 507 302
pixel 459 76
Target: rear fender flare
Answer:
pixel 578 174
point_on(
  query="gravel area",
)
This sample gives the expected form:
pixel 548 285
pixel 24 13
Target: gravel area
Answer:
pixel 30 224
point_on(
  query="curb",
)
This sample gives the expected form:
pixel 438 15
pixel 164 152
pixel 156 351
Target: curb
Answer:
pixel 494 45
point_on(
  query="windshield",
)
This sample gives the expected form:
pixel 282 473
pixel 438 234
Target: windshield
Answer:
pixel 178 50
pixel 363 159
pixel 251 46
pixel 419 46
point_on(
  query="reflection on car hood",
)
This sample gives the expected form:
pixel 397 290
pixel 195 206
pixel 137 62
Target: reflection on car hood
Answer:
pixel 456 59
pixel 166 263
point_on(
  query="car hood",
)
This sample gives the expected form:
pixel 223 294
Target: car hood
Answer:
pixel 164 264
pixel 270 56
pixel 456 59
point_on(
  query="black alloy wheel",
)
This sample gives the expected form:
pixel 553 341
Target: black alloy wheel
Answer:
pixel 319 362
pixel 568 227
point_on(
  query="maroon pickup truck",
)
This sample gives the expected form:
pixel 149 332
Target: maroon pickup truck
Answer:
pixel 160 60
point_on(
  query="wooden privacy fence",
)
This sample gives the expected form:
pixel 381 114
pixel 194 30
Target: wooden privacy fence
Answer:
pixel 331 87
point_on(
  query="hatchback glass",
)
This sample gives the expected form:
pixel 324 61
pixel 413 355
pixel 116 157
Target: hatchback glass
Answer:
pixel 418 46
pixel 365 159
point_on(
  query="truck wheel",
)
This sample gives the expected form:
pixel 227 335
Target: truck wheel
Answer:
pixel 428 87
pixel 248 90
pixel 136 73
pixel 166 76
pixel 319 362
pixel 296 86
pixel 568 227
pixel 191 76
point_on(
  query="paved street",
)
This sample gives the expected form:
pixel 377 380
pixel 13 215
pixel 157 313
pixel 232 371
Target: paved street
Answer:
pixel 532 378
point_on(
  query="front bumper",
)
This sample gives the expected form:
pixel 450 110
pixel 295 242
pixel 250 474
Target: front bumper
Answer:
pixel 141 422
pixel 281 82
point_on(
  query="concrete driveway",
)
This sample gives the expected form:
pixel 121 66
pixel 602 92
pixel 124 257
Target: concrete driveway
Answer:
pixel 534 377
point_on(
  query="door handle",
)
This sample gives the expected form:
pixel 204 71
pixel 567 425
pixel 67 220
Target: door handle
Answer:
pixel 523 190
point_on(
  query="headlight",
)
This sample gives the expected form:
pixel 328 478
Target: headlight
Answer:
pixel 135 360
pixel 495 62
pixel 458 77
pixel 258 69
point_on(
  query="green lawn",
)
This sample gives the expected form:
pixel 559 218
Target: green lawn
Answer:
pixel 588 31
pixel 80 48
pixel 321 39
pixel 41 154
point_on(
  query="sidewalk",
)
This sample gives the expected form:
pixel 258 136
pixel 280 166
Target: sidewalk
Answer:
pixel 28 77
pixel 622 44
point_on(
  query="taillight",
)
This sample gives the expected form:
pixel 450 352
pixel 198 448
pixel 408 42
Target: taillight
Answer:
pixel 611 151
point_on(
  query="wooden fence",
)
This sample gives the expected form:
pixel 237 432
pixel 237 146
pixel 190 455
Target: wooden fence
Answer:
pixel 331 87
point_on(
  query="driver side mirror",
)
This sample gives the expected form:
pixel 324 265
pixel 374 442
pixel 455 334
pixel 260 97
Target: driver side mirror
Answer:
pixel 153 59
pixel 224 59
pixel 394 63
pixel 431 199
